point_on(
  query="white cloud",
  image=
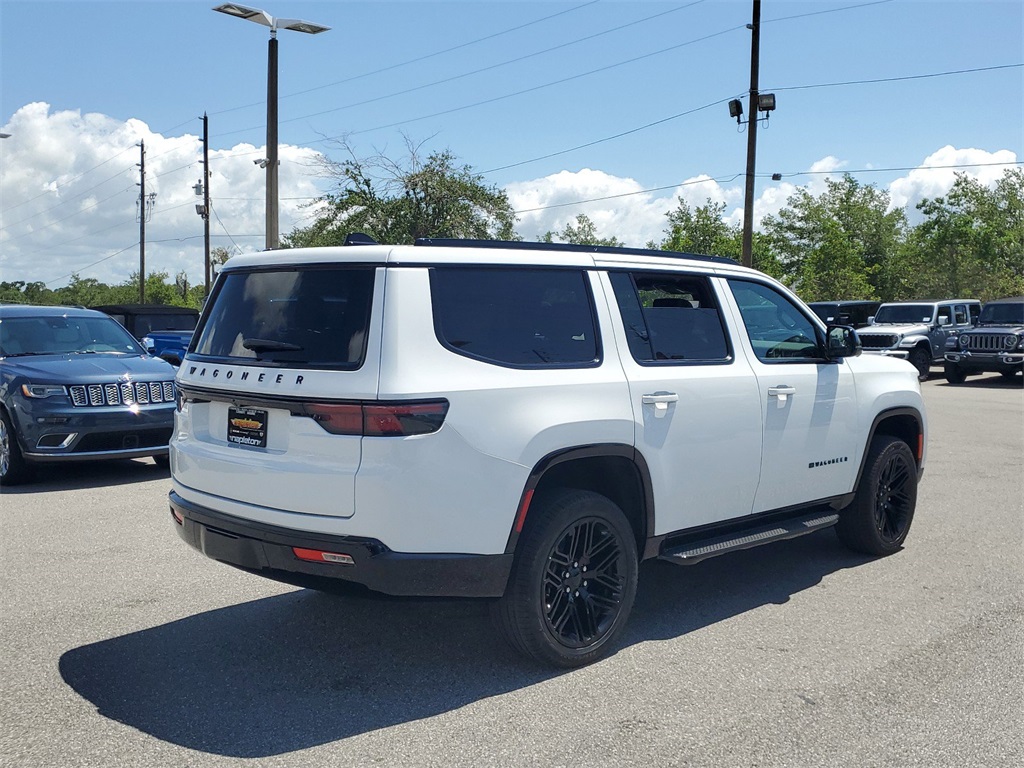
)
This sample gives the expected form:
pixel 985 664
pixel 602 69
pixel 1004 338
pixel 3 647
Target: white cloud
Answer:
pixel 69 197
pixel 934 178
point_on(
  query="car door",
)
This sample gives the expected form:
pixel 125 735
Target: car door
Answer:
pixel 697 418
pixel 807 404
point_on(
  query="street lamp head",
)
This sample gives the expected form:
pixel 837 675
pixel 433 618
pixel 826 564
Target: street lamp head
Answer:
pixel 260 16
pixel 245 12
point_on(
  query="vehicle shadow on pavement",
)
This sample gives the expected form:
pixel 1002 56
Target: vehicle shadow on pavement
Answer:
pixel 79 475
pixel 302 669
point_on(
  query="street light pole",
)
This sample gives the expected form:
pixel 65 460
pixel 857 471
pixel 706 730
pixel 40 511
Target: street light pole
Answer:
pixel 262 17
pixel 748 192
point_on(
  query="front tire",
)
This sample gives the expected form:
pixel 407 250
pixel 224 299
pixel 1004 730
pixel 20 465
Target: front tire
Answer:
pixel 13 467
pixel 878 520
pixel 922 360
pixel 573 582
pixel 955 374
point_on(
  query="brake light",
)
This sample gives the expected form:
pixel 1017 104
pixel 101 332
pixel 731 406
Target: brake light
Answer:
pixel 379 419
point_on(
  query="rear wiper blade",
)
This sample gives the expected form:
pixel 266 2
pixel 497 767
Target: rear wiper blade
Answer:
pixel 269 345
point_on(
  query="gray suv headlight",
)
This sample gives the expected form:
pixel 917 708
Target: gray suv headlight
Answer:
pixel 42 390
pixel 964 339
pixel 1010 341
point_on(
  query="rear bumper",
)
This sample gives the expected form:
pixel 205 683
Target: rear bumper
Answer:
pixel 267 551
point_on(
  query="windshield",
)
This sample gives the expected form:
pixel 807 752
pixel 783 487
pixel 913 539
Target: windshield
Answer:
pixel 59 335
pixel 905 313
pixel 311 316
pixel 1002 314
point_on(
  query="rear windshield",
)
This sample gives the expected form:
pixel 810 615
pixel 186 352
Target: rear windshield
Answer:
pixel 307 317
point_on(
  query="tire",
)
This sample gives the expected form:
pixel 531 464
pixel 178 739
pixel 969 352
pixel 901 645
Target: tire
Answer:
pixel 955 374
pixel 922 360
pixel 1008 375
pixel 13 467
pixel 164 461
pixel 878 520
pixel 573 582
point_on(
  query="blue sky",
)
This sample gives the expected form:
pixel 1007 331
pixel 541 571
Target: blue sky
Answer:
pixel 529 93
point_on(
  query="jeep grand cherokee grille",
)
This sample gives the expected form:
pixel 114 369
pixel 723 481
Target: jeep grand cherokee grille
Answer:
pixel 122 393
pixel 877 340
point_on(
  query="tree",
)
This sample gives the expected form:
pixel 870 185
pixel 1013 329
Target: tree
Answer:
pixel 971 243
pixel 843 240
pixel 704 231
pixel 399 201
pixel 584 233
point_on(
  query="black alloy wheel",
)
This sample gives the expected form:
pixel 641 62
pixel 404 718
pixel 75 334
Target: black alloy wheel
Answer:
pixel 13 467
pixel 878 520
pixel 573 582
pixel 922 360
pixel 583 583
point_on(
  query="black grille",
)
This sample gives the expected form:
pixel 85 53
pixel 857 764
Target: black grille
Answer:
pixel 877 340
pixel 986 342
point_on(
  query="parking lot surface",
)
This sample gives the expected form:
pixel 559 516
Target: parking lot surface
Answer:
pixel 124 647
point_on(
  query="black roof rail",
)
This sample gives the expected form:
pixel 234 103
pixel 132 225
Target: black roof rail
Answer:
pixel 606 249
pixel 359 238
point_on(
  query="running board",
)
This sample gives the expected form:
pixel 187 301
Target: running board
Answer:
pixel 701 549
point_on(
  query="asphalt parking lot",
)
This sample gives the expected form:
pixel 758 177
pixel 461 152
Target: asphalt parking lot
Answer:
pixel 123 647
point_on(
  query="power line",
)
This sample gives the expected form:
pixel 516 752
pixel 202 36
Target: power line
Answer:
pixel 69 181
pixel 65 201
pixel 89 266
pixel 480 70
pixel 896 79
pixel 417 59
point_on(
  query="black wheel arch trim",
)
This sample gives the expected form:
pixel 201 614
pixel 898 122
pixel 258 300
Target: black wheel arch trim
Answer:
pixel 598 450
pixel 885 416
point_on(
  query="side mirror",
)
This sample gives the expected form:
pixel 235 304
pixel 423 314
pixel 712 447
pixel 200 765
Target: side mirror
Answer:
pixel 943 320
pixel 841 341
pixel 871 320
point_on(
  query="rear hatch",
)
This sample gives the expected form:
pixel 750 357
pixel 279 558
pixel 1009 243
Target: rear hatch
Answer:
pixel 278 371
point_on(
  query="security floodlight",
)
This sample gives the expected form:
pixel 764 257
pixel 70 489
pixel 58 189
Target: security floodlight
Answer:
pixel 776 177
pixel 735 109
pixel 5 135
pixel 766 102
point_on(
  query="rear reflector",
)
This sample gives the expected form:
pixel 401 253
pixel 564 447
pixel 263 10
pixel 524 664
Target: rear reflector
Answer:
pixel 177 516
pixel 319 556
pixel 379 419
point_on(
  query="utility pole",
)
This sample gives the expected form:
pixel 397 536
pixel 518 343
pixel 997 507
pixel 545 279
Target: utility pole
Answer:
pixel 142 223
pixel 273 233
pixel 206 204
pixel 748 192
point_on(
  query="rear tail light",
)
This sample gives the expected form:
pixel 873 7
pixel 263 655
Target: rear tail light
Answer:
pixel 379 419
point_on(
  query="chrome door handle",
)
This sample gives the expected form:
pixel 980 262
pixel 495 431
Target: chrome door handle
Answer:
pixel 660 401
pixel 782 392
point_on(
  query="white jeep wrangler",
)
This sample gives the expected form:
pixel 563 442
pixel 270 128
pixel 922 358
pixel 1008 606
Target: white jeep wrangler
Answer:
pixel 527 422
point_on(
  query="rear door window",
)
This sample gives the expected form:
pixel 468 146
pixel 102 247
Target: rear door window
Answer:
pixel 670 318
pixel 309 317
pixel 520 318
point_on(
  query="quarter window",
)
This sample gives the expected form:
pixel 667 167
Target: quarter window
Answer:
pixel 670 318
pixel 520 318
pixel 777 329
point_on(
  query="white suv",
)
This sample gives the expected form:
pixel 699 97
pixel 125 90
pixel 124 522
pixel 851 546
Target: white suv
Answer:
pixel 527 423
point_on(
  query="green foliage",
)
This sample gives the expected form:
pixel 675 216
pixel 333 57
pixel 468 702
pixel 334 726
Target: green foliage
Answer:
pixel 583 233
pixel 837 245
pixel 971 243
pixel 396 202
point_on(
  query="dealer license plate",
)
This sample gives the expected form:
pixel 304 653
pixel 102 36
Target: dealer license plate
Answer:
pixel 247 426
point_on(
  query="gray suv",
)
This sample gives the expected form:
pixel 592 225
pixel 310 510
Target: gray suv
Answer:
pixel 995 344
pixel 917 330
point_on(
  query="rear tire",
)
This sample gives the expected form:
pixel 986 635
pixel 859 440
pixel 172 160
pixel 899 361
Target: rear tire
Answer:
pixel 573 582
pixel 13 467
pixel 955 374
pixel 922 360
pixel 878 520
